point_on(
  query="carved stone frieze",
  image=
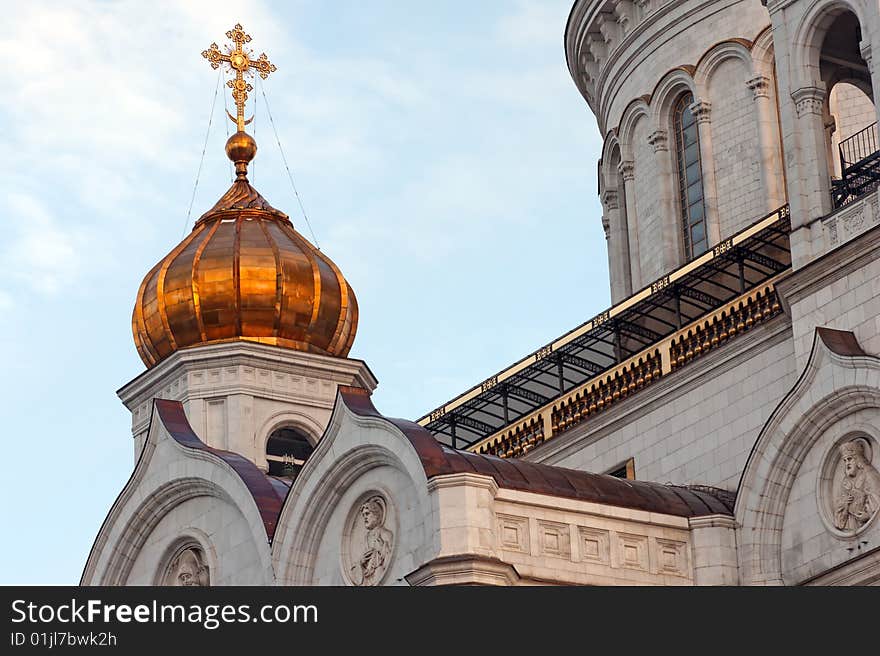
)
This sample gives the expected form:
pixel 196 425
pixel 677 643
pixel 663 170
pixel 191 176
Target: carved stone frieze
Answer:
pixel 851 221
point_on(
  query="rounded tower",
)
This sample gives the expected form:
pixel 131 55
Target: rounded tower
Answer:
pixel 684 94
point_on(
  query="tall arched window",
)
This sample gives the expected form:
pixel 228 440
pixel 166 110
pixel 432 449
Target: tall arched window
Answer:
pixel 690 178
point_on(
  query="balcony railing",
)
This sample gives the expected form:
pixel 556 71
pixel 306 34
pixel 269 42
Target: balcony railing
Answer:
pixel 642 370
pixel 618 347
pixel 859 167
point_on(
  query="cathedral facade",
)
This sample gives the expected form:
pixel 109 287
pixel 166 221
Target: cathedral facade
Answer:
pixel 718 425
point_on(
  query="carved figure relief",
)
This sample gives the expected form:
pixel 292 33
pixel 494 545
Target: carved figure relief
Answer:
pixel 188 569
pixel 857 494
pixel 371 542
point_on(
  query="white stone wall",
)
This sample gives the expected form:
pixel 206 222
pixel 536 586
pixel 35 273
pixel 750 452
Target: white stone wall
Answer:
pixel 697 425
pixel 842 290
pixel 736 158
pixel 564 541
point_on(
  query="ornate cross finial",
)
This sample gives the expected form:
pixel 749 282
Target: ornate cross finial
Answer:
pixel 242 62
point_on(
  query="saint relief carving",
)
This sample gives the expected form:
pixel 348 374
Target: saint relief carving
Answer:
pixel 188 569
pixel 857 497
pixel 371 542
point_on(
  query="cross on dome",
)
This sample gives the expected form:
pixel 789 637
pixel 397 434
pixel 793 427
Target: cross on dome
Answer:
pixel 240 61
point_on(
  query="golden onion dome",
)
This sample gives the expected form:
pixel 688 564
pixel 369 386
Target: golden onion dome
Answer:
pixel 244 273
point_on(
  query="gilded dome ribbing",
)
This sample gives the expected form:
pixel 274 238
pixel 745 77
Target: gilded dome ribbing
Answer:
pixel 244 273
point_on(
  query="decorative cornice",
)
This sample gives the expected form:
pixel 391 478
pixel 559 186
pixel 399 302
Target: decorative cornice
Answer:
pixel 809 100
pixel 759 86
pixel 712 521
pixel 464 569
pixel 659 141
pixel 463 479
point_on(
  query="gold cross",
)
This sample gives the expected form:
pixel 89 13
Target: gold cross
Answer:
pixel 240 61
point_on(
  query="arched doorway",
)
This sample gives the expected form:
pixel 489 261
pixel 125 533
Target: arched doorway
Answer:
pixel 850 116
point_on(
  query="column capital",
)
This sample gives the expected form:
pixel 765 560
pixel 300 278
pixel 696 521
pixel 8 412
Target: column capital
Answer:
pixel 759 86
pixel 809 100
pixel 606 226
pixel 626 169
pixel 610 199
pixel 659 140
pixel 701 109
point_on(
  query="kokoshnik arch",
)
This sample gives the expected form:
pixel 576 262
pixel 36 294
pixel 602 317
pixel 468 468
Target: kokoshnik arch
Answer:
pixel 718 425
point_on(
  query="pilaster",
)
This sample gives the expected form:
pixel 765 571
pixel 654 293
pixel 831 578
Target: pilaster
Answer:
pixel 768 141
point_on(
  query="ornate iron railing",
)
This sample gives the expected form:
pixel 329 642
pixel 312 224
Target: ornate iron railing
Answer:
pixel 859 166
pixel 641 370
pixel 614 339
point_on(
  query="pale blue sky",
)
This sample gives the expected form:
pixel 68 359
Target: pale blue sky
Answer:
pixel 445 158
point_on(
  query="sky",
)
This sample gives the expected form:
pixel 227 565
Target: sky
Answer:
pixel 444 157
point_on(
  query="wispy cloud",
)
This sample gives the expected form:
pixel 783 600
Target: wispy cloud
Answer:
pixel 532 23
pixel 41 254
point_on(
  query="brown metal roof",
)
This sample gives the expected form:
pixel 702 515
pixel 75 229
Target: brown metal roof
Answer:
pixel 841 342
pixel 268 493
pixel 438 460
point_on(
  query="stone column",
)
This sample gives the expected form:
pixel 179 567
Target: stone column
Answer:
pixel 814 179
pixel 800 131
pixel 667 185
pixel 772 179
pixel 626 169
pixel 618 250
pixel 702 111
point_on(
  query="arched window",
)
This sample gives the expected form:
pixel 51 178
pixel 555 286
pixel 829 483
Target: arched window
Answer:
pixel 287 451
pixel 690 178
